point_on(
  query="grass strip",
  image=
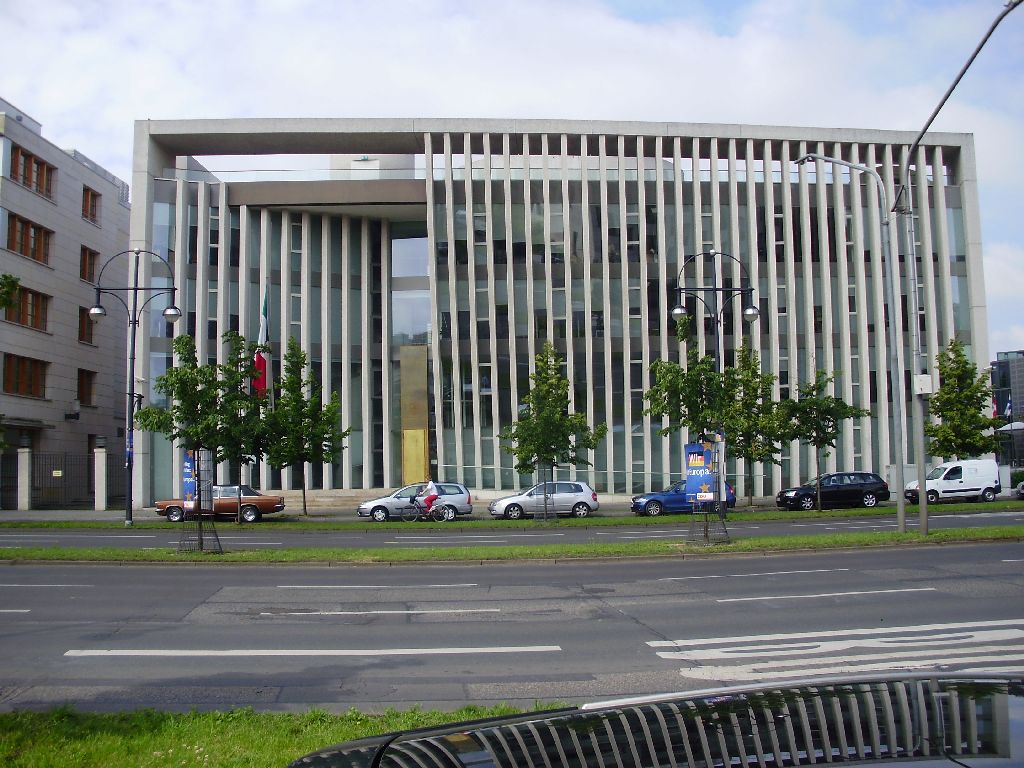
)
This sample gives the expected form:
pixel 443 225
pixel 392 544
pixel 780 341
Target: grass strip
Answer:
pixel 66 738
pixel 657 548
pixel 293 522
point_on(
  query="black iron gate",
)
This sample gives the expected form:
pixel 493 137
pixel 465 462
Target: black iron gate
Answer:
pixel 115 479
pixel 62 480
pixel 9 481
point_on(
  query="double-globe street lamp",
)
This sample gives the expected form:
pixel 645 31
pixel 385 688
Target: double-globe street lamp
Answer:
pixel 171 313
pixel 720 298
pixel 895 377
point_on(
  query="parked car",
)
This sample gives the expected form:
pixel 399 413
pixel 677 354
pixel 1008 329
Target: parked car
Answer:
pixel 672 499
pixel 563 497
pixel 454 497
pixel 225 503
pixel 1020 490
pixel 968 479
pixel 838 489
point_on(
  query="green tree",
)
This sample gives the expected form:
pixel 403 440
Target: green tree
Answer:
pixel 546 433
pixel 739 401
pixel 752 419
pixel 210 406
pixel 8 289
pixel 691 396
pixel 302 429
pixel 815 418
pixel 960 404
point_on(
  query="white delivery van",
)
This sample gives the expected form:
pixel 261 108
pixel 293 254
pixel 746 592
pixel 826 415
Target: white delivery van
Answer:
pixel 968 479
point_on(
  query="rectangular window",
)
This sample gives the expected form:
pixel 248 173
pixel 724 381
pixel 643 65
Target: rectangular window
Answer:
pixel 87 264
pixel 30 171
pixel 91 205
pixel 24 376
pixel 86 386
pixel 85 326
pixel 29 309
pixel 28 238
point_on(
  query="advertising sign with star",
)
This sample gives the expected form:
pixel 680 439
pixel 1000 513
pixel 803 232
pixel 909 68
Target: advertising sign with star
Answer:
pixel 701 476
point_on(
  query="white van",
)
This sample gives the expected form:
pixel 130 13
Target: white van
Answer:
pixel 968 479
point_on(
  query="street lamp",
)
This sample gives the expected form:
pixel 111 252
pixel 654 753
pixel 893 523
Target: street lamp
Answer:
pixel 719 302
pixel 171 314
pixel 895 377
pixel 905 209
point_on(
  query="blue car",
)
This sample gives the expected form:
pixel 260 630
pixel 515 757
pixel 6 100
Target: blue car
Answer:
pixel 672 499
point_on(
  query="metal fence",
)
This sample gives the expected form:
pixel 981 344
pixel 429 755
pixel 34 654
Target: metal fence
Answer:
pixel 62 480
pixel 115 479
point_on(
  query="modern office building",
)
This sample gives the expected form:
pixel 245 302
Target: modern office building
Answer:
pixel 422 264
pixel 61 216
pixel 1008 402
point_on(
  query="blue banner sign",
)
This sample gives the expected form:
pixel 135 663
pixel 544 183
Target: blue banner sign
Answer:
pixel 188 480
pixel 701 473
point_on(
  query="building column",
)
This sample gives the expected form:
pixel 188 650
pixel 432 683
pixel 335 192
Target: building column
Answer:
pixel 24 476
pixel 99 455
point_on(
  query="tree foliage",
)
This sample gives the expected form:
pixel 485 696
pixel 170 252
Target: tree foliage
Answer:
pixel 960 404
pixel 545 432
pixel 210 406
pixel 302 428
pixel 752 419
pixel 738 402
pixel 816 418
pixel 8 290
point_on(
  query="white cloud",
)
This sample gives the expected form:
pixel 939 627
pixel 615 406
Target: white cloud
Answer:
pixel 858 63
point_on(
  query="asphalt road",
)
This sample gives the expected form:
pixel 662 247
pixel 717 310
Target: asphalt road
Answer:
pixel 110 637
pixel 463 533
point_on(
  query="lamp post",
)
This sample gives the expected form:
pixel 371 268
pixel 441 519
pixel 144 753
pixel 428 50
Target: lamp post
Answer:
pixel 895 377
pixel 903 205
pixel 97 311
pixel 720 298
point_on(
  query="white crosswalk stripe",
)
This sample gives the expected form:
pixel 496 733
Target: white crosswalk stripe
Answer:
pixel 961 647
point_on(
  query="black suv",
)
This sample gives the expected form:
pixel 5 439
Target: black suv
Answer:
pixel 838 489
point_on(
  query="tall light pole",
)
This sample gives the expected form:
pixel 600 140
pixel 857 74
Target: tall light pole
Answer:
pixel 904 206
pixel 720 298
pixel 97 311
pixel 894 335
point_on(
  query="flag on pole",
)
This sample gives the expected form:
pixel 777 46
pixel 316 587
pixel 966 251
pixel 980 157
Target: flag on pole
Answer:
pixel 262 358
pixel 1009 407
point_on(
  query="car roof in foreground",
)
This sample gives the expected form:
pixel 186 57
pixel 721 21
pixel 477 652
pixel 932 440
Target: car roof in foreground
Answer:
pixel 926 716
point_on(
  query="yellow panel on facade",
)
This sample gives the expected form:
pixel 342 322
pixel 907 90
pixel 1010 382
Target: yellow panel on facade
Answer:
pixel 414 455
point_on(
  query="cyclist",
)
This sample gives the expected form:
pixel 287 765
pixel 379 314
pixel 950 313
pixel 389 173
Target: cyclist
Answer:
pixel 429 494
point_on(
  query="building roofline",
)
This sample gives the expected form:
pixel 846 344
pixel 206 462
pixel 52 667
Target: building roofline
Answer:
pixel 257 136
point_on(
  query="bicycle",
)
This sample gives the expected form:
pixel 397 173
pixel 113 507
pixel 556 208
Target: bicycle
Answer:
pixel 417 510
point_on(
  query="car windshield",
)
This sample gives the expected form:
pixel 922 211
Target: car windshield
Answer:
pixel 247 491
pixel 409 490
pixel 937 473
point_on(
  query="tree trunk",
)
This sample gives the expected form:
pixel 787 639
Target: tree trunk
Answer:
pixel 304 512
pixel 817 472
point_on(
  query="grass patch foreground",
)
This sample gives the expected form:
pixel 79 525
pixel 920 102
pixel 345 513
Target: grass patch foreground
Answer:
pixel 650 548
pixel 66 738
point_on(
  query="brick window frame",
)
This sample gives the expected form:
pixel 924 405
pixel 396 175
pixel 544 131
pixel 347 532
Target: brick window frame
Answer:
pixel 33 172
pixel 29 239
pixel 30 308
pixel 24 376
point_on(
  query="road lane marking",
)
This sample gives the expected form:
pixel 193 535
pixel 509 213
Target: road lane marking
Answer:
pixel 489 540
pixel 825 594
pixel 958 646
pixel 369 586
pixel 480 536
pixel 655 536
pixel 378 612
pixel 78 535
pixel 766 573
pixel 46 585
pixel 307 652
pixel 920 629
pixel 14 610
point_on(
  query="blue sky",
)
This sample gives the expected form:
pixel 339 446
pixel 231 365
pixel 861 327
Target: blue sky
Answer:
pixel 847 63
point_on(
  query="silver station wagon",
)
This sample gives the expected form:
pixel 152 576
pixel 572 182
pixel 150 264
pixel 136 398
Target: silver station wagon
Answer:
pixel 454 498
